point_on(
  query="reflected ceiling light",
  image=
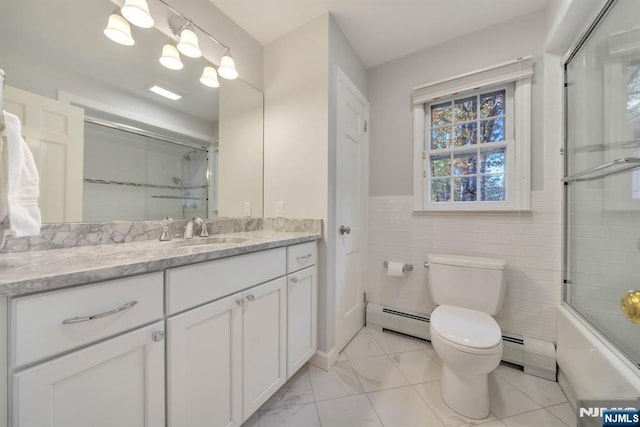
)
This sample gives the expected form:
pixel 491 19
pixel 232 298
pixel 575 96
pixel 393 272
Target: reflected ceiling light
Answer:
pixel 209 77
pixel 188 44
pixel 227 68
pixel 137 12
pixel 171 58
pixel 164 92
pixel 118 30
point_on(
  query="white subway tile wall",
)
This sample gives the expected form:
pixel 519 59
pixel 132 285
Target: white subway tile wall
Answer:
pixel 530 244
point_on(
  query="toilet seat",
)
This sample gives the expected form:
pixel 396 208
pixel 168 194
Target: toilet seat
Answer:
pixel 467 330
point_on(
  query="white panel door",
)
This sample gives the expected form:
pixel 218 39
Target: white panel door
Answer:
pixel 351 193
pixel 119 382
pixel 264 367
pixel 54 132
pixel 203 365
pixel 302 318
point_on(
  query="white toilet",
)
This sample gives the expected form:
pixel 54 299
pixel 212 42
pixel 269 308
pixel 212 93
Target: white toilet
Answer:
pixel 468 291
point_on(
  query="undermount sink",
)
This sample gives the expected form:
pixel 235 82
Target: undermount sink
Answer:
pixel 207 241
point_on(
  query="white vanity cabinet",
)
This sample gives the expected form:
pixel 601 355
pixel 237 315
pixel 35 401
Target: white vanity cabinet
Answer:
pixel 302 303
pixel 264 336
pixel 60 376
pixel 97 355
pixel 204 362
pixel 119 382
pixel 227 357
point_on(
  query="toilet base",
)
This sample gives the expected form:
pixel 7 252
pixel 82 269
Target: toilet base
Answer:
pixel 467 395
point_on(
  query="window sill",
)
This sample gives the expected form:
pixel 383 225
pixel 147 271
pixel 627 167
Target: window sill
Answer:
pixel 481 212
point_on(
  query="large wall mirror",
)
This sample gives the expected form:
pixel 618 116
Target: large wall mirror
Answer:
pixel 105 146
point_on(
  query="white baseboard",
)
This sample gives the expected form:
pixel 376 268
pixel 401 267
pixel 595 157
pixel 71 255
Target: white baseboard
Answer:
pixel 324 360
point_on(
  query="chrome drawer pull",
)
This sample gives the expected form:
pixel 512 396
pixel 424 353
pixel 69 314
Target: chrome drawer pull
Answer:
pixel 100 315
pixel 300 258
pixel 251 297
pixel 294 280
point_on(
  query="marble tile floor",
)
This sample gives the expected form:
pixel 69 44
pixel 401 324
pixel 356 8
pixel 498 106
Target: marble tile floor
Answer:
pixel 386 379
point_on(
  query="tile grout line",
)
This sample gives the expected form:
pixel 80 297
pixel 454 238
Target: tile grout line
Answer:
pixel 365 392
pixel 526 394
pixel 313 393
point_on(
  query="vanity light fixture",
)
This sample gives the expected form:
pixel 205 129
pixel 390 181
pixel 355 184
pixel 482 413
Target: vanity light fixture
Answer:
pixel 165 92
pixel 118 30
pixel 171 58
pixel 137 12
pixel 188 44
pixel 227 67
pixel 209 77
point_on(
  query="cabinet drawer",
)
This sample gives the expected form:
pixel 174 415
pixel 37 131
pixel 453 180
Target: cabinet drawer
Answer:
pixel 92 312
pixel 301 256
pixel 197 284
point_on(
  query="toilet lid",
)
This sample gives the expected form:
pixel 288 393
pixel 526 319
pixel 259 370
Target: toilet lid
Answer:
pixel 466 327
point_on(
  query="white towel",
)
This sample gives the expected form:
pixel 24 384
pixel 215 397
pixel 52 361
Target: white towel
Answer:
pixel 19 195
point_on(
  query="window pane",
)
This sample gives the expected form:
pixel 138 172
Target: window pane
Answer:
pixel 440 114
pixel 492 104
pixel 464 165
pixel 492 130
pixel 440 165
pixel 492 188
pixel 465 109
pixel 464 189
pixel 466 134
pixel 440 138
pixel 441 190
pixel 492 161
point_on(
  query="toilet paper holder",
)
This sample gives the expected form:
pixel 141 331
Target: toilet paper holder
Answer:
pixel 407 267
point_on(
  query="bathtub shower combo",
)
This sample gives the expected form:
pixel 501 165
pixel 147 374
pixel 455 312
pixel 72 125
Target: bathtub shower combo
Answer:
pixel 599 322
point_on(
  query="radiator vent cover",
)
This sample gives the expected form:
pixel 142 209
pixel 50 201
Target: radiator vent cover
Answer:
pixel 537 357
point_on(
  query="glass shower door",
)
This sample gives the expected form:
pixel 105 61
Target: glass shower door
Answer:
pixel 602 184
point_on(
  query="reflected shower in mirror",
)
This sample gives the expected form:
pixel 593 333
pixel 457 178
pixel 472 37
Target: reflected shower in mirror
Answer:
pixel 106 147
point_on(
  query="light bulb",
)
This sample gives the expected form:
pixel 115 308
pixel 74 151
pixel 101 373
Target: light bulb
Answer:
pixel 118 30
pixel 171 58
pixel 137 12
pixel 209 77
pixel 188 44
pixel 227 68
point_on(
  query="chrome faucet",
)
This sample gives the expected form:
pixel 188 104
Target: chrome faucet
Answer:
pixel 203 230
pixel 165 236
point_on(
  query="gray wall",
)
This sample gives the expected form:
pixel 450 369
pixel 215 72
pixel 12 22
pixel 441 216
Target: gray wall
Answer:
pixel 390 86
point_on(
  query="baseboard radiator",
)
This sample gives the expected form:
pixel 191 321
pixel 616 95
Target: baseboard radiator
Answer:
pixel 536 356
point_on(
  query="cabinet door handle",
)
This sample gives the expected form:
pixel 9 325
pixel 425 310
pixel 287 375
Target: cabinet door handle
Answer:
pixel 157 336
pixel 344 230
pixel 294 280
pixel 240 301
pixel 78 319
pixel 303 258
pixel 251 297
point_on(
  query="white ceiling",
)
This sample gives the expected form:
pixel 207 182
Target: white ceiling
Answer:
pixel 379 30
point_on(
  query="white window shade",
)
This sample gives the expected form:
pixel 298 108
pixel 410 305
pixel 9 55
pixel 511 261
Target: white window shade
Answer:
pixel 521 68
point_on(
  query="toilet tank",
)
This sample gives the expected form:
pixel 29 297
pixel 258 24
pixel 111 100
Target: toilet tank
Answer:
pixel 469 282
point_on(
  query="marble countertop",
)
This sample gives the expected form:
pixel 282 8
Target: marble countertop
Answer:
pixel 35 271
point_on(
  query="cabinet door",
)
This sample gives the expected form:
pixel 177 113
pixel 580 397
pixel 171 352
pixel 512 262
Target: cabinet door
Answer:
pixel 203 365
pixel 117 383
pixel 302 315
pixel 263 343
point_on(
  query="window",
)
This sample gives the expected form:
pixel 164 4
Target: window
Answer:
pixel 469 154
